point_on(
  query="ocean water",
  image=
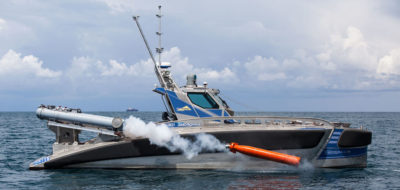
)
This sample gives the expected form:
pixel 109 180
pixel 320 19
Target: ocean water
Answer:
pixel 25 138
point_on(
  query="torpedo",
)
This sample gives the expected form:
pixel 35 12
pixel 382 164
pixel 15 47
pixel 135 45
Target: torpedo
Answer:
pixel 264 154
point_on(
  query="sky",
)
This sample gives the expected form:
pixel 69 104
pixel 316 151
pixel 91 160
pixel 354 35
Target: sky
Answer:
pixel 265 55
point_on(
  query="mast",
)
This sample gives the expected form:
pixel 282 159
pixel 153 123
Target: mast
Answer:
pixel 156 67
pixel 162 72
pixel 136 19
pixel 159 50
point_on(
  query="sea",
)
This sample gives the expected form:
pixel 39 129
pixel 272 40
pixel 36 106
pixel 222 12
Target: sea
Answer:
pixel 25 138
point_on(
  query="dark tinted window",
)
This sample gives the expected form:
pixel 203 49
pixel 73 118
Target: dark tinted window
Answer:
pixel 203 100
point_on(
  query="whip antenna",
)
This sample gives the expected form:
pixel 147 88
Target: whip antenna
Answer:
pixel 135 18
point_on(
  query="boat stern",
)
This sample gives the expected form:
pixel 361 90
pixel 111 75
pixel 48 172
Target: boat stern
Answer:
pixel 346 147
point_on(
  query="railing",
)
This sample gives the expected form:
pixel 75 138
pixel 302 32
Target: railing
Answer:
pixel 251 120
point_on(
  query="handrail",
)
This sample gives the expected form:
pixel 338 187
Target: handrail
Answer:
pixel 229 120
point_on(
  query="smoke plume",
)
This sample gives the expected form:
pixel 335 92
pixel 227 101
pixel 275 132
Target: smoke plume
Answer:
pixel 162 135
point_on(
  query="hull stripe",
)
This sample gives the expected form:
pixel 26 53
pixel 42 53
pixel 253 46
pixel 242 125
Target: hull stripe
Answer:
pixel 333 151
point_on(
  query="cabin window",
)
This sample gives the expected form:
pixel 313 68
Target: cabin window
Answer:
pixel 203 100
pixel 221 101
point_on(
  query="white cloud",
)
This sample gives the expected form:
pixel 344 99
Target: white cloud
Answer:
pixel 81 67
pixel 226 75
pixel 351 51
pixel 91 68
pixel 354 39
pixel 264 68
pixel 114 69
pixel 346 62
pixel 390 64
pixel 13 65
pixel 181 67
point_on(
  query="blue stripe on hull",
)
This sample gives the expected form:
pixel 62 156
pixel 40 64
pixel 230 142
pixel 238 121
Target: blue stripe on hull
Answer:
pixel 342 153
pixel 333 151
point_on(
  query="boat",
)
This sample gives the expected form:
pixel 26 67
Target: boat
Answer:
pixel 194 109
pixel 131 109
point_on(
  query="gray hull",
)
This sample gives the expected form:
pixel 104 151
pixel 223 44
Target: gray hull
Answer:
pixel 217 161
pixel 317 147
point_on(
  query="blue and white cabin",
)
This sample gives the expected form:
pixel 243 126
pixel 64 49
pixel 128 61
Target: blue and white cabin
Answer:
pixel 190 101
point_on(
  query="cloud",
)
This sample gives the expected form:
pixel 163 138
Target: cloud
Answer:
pixel 351 51
pixel 181 67
pixel 92 68
pixel 390 64
pixel 282 45
pixel 225 75
pixel 264 69
pixel 114 69
pixel 346 62
pixel 12 65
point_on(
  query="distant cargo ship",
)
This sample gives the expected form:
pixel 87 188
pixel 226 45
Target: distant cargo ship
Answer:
pixel 131 109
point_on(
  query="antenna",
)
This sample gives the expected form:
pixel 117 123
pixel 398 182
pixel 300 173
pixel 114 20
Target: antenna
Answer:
pixel 162 72
pixel 135 18
pixel 159 50
pixel 156 68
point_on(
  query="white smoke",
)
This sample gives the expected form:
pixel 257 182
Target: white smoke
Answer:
pixel 163 136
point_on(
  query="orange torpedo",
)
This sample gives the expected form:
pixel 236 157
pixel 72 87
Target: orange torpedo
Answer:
pixel 264 154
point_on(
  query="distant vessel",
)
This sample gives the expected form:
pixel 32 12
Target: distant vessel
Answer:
pixel 191 110
pixel 131 109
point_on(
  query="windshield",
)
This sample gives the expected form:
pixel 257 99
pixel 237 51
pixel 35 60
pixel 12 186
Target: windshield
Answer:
pixel 221 101
pixel 203 100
